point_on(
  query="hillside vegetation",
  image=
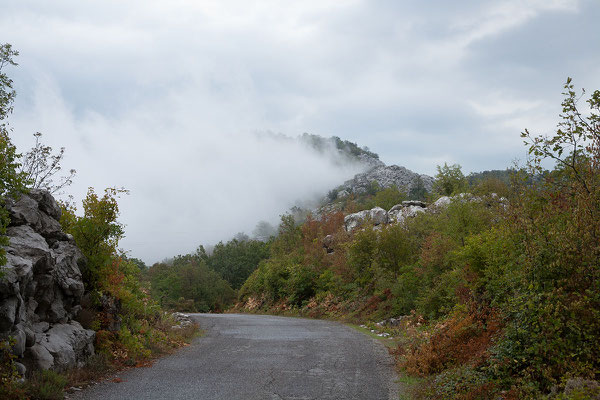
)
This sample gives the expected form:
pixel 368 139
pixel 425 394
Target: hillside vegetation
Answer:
pixel 501 298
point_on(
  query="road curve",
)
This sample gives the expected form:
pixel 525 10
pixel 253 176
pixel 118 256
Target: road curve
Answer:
pixel 258 357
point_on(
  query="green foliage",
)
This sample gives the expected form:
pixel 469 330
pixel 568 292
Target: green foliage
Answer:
pixel 488 182
pixel 97 232
pixel 361 255
pixel 440 296
pixel 47 385
pixel 405 291
pixel 386 198
pixel 189 286
pixel 301 284
pixel 510 290
pixel 455 383
pixel 7 93
pixel 395 248
pixel 11 181
pixel 418 191
pixel 139 263
pixel 108 274
pixel 449 180
pixel 7 182
pixel 207 282
pixel 575 141
pixel 554 307
pixel 236 259
pixel 289 236
pixel 332 195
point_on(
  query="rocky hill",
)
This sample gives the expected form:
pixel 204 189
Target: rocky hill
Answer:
pixel 385 176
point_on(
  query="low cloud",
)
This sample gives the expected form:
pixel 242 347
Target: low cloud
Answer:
pixel 190 182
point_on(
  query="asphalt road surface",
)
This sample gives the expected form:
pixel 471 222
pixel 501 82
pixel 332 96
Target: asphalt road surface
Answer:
pixel 257 357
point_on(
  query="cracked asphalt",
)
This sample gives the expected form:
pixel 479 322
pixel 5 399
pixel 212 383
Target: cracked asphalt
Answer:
pixel 258 357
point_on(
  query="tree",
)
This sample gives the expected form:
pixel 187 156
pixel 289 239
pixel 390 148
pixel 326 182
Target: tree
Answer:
pixel 264 231
pixel 289 236
pixel 189 286
pixel 237 259
pixel 449 180
pixel 7 93
pixel 418 191
pixel 97 232
pixel 361 253
pixel 395 249
pixel 11 181
pixel 40 165
pixel 576 145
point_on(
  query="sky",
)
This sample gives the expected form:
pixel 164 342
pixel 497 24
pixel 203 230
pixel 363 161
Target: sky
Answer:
pixel 172 99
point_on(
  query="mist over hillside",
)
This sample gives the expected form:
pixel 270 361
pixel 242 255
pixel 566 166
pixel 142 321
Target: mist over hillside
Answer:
pixel 245 180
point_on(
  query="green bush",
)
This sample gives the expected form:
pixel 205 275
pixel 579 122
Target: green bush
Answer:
pixel 301 284
pixel 189 286
pixel 47 385
pixel 405 291
pixel 386 198
pixel 441 297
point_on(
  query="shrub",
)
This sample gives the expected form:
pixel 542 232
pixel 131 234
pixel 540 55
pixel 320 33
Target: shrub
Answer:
pixel 463 338
pixel 10 388
pixel 405 291
pixel 47 385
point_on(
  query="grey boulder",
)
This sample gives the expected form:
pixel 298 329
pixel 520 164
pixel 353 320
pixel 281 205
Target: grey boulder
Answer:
pixel 375 216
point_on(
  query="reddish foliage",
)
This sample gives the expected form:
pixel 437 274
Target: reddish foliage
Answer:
pixel 434 250
pixel 486 391
pixel 463 338
pixel 373 302
pixel 313 233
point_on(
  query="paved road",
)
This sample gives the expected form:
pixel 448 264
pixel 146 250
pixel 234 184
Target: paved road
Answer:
pixel 255 357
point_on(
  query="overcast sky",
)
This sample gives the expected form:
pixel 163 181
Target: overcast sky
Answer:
pixel 166 97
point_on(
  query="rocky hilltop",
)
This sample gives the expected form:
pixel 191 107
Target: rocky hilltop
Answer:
pixel 385 176
pixel 41 287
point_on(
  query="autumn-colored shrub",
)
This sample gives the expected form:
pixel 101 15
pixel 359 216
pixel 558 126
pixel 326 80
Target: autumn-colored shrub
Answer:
pixel 462 339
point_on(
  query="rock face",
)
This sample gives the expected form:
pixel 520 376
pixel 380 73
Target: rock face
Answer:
pixel 41 287
pixel 378 216
pixel 407 209
pixel 385 176
pixel 375 216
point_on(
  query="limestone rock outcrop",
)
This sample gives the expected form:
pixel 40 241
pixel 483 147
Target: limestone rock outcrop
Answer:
pixel 375 216
pixel 41 287
pixel 385 176
pixel 407 209
pixel 378 216
pixel 411 208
